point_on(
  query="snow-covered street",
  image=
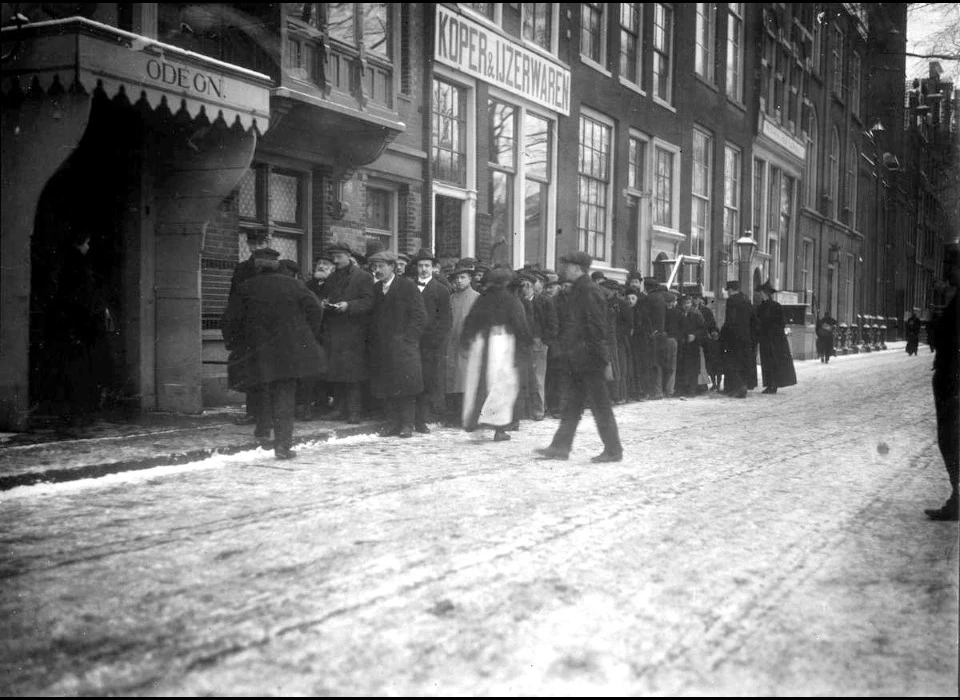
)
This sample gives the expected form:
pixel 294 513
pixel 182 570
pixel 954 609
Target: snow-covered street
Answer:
pixel 770 546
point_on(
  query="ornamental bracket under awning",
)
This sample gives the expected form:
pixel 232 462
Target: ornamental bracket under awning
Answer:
pixel 78 52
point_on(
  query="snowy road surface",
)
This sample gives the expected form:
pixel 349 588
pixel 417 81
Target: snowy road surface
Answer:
pixel 763 546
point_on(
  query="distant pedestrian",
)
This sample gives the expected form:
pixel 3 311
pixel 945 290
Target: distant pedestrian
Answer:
pixel 776 362
pixel 583 336
pixel 462 298
pixel 396 324
pixel 712 354
pixel 670 344
pixel 277 319
pixel 912 332
pixel 692 334
pixel 946 383
pixel 825 329
pixel 431 404
pixel 495 332
pixel 736 338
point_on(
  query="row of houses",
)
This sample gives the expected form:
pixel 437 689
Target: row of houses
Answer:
pixel 512 132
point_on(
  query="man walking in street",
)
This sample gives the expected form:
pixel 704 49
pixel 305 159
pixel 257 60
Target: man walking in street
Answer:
pixel 433 342
pixel 396 324
pixel 278 320
pixel 349 301
pixel 736 338
pixel 584 341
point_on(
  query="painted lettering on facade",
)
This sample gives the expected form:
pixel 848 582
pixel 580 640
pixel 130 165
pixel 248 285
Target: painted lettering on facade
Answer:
pixel 185 78
pixel 481 52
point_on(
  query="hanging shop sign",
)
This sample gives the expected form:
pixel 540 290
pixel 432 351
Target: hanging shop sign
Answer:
pixel 487 55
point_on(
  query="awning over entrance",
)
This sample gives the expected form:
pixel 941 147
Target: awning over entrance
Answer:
pixel 63 54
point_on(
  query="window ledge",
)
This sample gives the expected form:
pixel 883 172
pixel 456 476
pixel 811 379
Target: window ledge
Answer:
pixel 703 81
pixel 736 103
pixel 587 61
pixel 615 273
pixel 670 233
pixel 631 86
pixel 663 103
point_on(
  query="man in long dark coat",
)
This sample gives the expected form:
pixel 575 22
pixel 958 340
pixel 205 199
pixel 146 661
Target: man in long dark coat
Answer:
pixel 276 319
pixel 349 301
pixel 583 335
pixel 776 362
pixel 693 332
pixel 736 338
pixel 653 320
pixel 397 322
pixel 912 332
pixel 433 343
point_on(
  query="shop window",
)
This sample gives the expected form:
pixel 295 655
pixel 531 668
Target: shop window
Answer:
pixel 503 167
pixel 631 42
pixel 538 23
pixel 380 216
pixel 449 143
pixel 663 52
pixel 281 193
pixel 735 51
pixel 537 140
pixel 700 194
pixel 705 52
pixel 594 193
pixel 593 33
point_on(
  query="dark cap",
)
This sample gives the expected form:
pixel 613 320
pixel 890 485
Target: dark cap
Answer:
pixel 425 254
pixel 338 247
pixel 578 257
pixel 767 287
pixel 597 275
pixel 634 276
pixel 528 275
pixel 265 254
pixel 324 256
pixel 733 284
pixel 384 256
pixel 402 257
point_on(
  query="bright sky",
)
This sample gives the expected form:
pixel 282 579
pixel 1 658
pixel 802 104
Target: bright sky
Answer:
pixel 924 20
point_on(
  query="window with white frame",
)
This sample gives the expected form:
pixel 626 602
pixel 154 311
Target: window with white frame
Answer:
pixel 759 188
pixel 732 191
pixel 595 168
pixel 664 186
pixel 806 271
pixel 449 138
pixel 593 32
pixel 855 83
pixel 837 83
pixel 735 51
pixel 271 200
pixel 663 52
pixel 705 58
pixel 833 175
pixel 538 22
pixel 380 215
pixel 702 186
pixel 810 177
pixel 537 188
pixel 502 120
pixel 631 42
pixel 853 156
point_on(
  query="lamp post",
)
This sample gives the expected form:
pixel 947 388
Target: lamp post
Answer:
pixel 746 245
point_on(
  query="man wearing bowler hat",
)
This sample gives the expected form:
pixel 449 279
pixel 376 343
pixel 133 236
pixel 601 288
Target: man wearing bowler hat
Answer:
pixel 736 339
pixel 583 337
pixel 433 342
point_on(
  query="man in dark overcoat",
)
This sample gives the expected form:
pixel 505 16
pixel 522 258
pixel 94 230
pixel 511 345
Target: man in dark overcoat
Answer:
pixel 277 319
pixel 583 336
pixel 653 319
pixel 776 362
pixel 237 359
pixel 433 342
pixel 912 332
pixel 349 301
pixel 693 333
pixel 317 394
pixel 396 325
pixel 736 338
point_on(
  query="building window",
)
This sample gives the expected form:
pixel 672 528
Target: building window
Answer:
pixel 636 172
pixel 593 32
pixel 380 220
pixel 732 177
pixel 449 151
pixel 486 9
pixel 664 182
pixel 271 201
pixel 810 177
pixel 538 24
pixel 702 186
pixel 759 188
pixel 663 52
pixel 855 83
pixel 706 42
pixel 502 119
pixel 833 175
pixel 817 50
pixel 631 42
pixel 537 145
pixel 806 271
pixel 735 51
pixel 851 188
pixel 839 88
pixel 595 168
pixel 785 224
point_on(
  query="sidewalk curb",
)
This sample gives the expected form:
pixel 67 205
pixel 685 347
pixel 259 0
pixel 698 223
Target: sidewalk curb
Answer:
pixel 92 471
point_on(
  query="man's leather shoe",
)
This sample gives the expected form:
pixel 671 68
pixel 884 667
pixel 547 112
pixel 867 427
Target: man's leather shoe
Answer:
pixel 552 453
pixel 501 436
pixel 946 514
pixel 607 457
pixel 421 428
pixel 392 431
pixel 285 453
pixel 405 433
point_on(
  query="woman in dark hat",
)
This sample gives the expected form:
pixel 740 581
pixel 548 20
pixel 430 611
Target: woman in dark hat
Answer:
pixel 776 362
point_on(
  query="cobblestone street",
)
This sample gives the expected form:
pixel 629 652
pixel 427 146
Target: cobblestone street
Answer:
pixel 771 546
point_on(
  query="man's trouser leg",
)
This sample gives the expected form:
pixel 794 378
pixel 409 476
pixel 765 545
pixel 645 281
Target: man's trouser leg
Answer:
pixel 538 389
pixel 946 398
pixel 283 399
pixel 669 365
pixel 406 409
pixel 258 403
pixel 572 412
pixel 602 409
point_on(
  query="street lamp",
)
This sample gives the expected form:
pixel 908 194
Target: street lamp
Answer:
pixel 746 245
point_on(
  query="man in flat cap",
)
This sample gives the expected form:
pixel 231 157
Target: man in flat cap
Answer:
pixel 583 337
pixel 433 342
pixel 736 339
pixel 396 324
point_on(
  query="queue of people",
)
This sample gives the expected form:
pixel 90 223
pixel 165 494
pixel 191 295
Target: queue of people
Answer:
pixel 476 346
